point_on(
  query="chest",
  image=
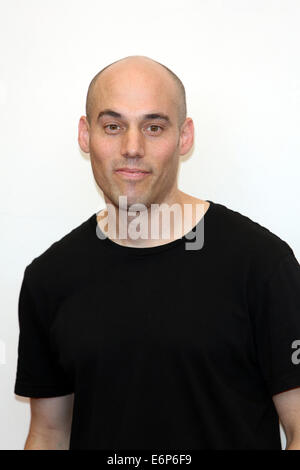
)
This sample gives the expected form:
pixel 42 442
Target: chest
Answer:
pixel 119 314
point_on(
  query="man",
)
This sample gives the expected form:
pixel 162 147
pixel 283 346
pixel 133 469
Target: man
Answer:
pixel 161 346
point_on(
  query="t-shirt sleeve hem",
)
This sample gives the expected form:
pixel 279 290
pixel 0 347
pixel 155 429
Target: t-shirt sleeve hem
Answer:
pixel 41 391
pixel 285 383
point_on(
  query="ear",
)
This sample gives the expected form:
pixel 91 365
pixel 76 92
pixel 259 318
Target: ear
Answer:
pixel 186 136
pixel 83 134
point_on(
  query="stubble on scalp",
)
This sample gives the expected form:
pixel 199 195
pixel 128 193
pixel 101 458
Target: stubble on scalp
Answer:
pixel 180 99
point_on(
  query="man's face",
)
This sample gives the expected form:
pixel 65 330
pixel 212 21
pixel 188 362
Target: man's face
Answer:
pixel 130 139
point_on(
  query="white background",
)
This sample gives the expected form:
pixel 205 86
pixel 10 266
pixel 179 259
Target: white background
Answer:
pixel 239 62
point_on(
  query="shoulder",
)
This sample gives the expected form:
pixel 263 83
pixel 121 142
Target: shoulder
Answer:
pixel 64 252
pixel 247 238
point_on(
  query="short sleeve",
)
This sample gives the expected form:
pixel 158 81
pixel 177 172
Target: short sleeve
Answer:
pixel 277 327
pixel 38 373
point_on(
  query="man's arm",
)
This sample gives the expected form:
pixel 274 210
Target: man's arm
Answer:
pixel 288 408
pixel 50 424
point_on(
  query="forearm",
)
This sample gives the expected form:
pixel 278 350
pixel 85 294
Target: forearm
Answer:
pixel 292 439
pixel 50 440
pixel 293 445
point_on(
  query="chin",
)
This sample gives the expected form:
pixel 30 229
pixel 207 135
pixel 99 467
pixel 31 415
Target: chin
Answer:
pixel 135 200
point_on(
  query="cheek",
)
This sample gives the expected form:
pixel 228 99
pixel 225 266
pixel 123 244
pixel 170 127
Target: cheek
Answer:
pixel 164 153
pixel 158 153
pixel 102 151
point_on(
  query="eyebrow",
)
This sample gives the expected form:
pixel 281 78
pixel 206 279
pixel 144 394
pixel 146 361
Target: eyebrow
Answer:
pixel 110 112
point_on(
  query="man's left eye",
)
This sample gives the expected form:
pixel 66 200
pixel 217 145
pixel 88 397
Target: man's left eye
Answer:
pixel 154 126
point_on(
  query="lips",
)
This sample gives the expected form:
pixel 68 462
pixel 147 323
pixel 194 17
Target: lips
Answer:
pixel 132 173
pixel 132 170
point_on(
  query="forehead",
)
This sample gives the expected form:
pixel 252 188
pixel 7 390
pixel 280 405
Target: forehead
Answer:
pixel 132 91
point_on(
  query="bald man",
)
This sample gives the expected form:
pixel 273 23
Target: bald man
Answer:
pixel 135 333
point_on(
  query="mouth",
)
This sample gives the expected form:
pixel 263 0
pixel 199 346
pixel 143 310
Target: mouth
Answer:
pixel 132 173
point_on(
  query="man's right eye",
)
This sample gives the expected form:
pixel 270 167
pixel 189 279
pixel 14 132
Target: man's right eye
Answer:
pixel 110 126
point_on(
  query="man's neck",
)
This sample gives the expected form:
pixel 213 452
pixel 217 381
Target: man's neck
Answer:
pixel 156 225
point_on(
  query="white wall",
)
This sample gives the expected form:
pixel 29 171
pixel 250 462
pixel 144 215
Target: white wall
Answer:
pixel 239 61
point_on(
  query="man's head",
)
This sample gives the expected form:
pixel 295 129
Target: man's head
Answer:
pixel 180 100
pixel 133 92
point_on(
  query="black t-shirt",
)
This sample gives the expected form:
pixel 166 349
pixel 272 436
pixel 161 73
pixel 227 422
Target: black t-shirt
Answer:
pixel 164 347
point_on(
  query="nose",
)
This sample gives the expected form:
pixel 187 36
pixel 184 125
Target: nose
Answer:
pixel 132 143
